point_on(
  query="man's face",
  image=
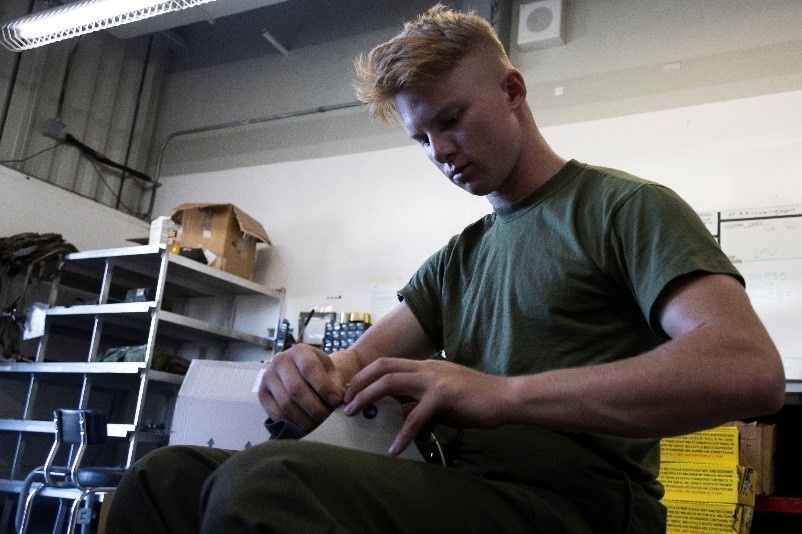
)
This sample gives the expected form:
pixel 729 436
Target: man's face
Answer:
pixel 466 124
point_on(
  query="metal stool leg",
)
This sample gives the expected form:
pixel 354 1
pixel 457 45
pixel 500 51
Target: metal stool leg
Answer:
pixel 22 524
pixel 75 509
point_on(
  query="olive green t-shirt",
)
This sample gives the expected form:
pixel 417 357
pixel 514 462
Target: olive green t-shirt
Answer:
pixel 566 277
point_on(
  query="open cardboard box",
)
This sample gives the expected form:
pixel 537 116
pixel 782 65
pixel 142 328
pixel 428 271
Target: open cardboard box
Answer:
pixel 225 230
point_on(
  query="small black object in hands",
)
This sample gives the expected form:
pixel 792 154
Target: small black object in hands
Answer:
pixel 370 411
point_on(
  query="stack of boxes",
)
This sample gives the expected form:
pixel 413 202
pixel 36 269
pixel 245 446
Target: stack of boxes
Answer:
pixel 341 335
pixel 711 479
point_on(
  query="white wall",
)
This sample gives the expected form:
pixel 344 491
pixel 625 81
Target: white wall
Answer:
pixel 735 154
pixel 343 223
pixel 339 224
pixel 30 205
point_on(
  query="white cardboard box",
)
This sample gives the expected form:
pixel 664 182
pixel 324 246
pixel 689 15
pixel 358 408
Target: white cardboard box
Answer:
pixel 217 406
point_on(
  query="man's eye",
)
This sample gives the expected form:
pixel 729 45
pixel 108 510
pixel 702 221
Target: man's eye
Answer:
pixel 451 121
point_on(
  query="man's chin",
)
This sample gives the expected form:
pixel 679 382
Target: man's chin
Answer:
pixel 473 189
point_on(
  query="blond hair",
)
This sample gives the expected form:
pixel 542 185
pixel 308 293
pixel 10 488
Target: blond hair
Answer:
pixel 427 48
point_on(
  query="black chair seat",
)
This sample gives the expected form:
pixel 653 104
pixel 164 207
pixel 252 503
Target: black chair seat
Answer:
pixel 88 477
pixel 100 477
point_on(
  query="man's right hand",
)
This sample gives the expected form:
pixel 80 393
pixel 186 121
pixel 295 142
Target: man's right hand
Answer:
pixel 301 385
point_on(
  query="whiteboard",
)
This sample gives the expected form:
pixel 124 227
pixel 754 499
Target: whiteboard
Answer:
pixel 765 245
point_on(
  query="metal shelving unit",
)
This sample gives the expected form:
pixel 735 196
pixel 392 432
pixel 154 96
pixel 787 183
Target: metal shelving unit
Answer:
pixel 190 311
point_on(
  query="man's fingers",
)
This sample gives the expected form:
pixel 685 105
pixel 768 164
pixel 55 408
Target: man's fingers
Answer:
pixel 290 389
pixel 320 374
pixel 297 399
pixel 374 382
pixel 414 423
pixel 285 408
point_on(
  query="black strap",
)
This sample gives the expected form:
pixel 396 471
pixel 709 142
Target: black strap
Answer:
pixel 283 430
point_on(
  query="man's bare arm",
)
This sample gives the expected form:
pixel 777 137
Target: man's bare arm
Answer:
pixel 719 365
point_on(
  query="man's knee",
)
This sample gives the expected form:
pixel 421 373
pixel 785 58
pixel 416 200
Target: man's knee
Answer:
pixel 169 463
pixel 275 483
pixel 258 466
pixel 162 490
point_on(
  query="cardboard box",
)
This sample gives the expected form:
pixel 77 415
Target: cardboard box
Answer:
pixel 217 406
pixel 757 445
pixel 747 444
pixel 226 231
pixel 708 483
pixel 718 446
pixel 707 518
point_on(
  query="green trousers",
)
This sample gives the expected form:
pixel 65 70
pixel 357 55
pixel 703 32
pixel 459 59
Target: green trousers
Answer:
pixel 299 486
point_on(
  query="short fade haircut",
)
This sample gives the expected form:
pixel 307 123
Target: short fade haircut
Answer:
pixel 426 49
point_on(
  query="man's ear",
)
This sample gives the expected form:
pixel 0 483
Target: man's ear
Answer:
pixel 515 87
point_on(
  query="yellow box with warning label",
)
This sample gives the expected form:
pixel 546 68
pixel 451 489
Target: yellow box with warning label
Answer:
pixel 707 518
pixel 710 483
pixel 714 446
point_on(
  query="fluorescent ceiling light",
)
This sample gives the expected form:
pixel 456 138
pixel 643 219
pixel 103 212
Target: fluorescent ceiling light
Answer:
pixel 82 17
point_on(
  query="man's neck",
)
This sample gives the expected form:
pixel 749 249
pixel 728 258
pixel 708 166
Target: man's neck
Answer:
pixel 529 177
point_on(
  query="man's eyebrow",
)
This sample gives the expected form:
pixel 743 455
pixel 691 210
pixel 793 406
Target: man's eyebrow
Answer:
pixel 442 112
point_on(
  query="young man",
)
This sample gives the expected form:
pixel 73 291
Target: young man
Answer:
pixel 589 315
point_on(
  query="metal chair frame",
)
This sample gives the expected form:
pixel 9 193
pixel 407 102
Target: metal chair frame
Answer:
pixel 73 427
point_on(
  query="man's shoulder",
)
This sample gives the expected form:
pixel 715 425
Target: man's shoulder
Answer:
pixel 610 187
pixel 611 178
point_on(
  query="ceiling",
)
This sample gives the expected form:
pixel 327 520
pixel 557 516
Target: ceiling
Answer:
pixel 225 31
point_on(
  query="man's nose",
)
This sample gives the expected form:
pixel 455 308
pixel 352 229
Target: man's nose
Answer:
pixel 441 148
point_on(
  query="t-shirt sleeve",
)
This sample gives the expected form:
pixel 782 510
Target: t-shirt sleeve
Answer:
pixel 656 237
pixel 423 294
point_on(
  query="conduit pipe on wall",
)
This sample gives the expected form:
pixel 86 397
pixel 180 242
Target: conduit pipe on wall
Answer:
pixel 236 124
pixel 134 120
